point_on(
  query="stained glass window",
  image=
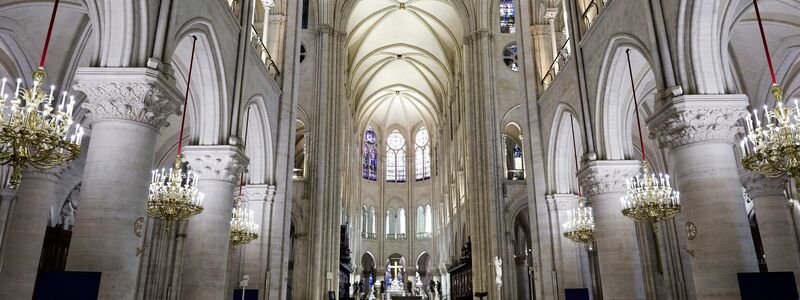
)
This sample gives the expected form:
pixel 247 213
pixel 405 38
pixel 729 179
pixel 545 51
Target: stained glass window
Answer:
pixel 507 16
pixel 369 155
pixel 422 154
pixel 395 157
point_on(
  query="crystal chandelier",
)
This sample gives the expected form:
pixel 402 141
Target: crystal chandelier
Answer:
pixel 649 197
pixel 173 193
pixel 579 226
pixel 243 228
pixel 35 131
pixel 772 148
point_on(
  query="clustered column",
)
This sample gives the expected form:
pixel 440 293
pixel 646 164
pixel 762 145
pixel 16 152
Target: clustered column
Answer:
pixel 206 255
pixel 128 107
pixel 699 131
pixel 617 248
pixel 774 222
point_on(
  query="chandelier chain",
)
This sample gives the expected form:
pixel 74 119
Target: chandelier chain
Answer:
pixel 49 34
pixel 186 95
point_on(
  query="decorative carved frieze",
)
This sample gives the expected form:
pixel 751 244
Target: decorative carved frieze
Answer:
pixel 607 176
pixel 134 94
pixel 759 186
pixel 222 162
pixel 693 119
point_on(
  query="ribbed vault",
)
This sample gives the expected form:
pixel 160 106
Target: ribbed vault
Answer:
pixel 400 57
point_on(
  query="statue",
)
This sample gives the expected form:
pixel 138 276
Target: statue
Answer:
pixel 498 269
pixel 67 215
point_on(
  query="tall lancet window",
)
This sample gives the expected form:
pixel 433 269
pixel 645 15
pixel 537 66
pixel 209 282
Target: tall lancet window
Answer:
pixel 395 157
pixel 515 157
pixel 390 224
pixel 422 154
pixel 401 224
pixel 507 16
pixel 369 155
pixel 424 222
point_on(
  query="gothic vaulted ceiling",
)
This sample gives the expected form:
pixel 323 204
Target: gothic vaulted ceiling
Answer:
pixel 400 59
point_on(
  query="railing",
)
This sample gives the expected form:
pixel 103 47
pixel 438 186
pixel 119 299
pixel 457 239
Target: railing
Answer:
pixel 369 236
pixel 591 12
pixel 558 63
pixel 424 235
pixel 395 236
pixel 259 45
pixel 516 174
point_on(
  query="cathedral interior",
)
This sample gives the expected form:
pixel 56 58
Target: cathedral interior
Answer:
pixel 400 149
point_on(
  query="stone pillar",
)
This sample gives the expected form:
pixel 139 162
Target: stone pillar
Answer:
pixel 128 107
pixel 26 231
pixel 568 253
pixel 7 199
pixel 699 131
pixel 615 234
pixel 774 222
pixel 207 245
pixel 255 256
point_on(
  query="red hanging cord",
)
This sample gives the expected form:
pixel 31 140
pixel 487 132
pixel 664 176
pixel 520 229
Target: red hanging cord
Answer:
pixel 636 105
pixel 764 41
pixel 186 96
pixel 574 148
pixel 49 34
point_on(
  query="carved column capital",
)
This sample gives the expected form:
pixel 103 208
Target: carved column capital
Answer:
pixel 607 176
pixel 277 19
pixel 690 119
pixel 565 202
pixel 219 162
pixel 540 30
pixel 759 186
pixel 51 174
pixel 140 95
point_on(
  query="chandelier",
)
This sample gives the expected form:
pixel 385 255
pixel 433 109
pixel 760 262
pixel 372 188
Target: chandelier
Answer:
pixel 579 226
pixel 772 148
pixel 243 228
pixel 649 197
pixel 35 131
pixel 173 193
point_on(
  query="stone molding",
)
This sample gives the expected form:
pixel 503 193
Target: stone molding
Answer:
pixel 259 192
pixel 690 119
pixel 219 162
pixel 140 95
pixel 759 186
pixel 607 176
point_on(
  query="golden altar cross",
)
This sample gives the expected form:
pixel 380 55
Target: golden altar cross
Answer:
pixel 395 269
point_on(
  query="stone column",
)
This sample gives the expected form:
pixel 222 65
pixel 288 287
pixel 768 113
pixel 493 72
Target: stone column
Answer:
pixel 617 248
pixel 774 222
pixel 128 107
pixel 255 256
pixel 26 231
pixel 207 245
pixel 699 131
pixel 568 253
pixel 7 199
